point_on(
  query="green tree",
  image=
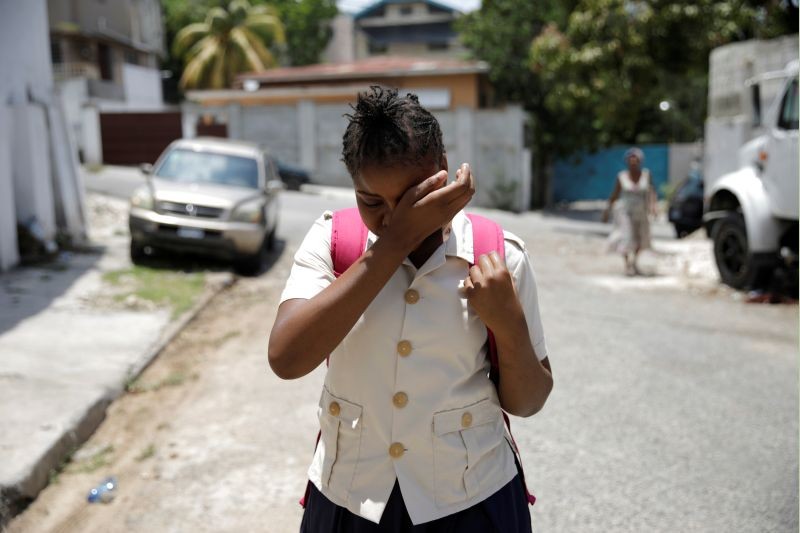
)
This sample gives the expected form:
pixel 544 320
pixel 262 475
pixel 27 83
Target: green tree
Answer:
pixel 594 72
pixel 230 41
pixel 308 28
pixel 617 61
pixel 500 33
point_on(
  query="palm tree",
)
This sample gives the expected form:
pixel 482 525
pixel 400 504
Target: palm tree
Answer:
pixel 229 42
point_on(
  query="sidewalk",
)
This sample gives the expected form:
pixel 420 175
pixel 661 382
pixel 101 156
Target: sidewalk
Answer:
pixel 70 340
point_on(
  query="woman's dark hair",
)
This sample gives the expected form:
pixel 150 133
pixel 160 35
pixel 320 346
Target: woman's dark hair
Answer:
pixel 388 129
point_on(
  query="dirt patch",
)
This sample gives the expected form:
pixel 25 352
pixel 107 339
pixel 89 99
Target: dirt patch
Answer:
pixel 177 431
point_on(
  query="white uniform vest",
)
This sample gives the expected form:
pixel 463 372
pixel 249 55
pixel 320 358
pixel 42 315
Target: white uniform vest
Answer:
pixel 407 396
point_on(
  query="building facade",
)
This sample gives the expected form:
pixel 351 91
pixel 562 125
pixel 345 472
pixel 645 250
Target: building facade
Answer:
pixel 422 28
pixel 105 56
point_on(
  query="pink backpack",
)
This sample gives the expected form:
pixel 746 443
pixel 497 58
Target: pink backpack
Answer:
pixel 348 240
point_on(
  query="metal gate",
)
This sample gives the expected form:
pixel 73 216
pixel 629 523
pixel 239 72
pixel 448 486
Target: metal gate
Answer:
pixel 133 138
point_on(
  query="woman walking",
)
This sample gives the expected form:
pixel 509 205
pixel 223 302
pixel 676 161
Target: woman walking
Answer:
pixel 637 201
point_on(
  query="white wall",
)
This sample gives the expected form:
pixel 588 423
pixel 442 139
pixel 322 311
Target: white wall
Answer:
pixel 310 135
pixel 24 48
pixel 342 47
pixel 142 86
pixel 681 156
pixel 25 178
pixel 9 256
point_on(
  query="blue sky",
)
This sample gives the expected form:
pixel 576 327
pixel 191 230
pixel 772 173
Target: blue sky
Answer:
pixel 352 6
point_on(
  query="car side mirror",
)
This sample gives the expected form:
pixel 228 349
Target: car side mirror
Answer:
pixel 146 168
pixel 274 186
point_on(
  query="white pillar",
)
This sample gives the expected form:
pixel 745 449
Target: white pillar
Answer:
pixel 307 135
pixel 234 120
pixel 91 136
pixel 9 252
pixel 190 112
pixel 527 181
pixel 33 186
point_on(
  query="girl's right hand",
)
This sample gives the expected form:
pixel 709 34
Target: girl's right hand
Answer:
pixel 428 206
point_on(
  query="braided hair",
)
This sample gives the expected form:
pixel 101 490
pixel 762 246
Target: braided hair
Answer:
pixel 390 130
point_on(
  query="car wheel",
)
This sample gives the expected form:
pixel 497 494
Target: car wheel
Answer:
pixel 251 265
pixel 138 255
pixel 680 231
pixel 293 184
pixel 734 261
pixel 270 238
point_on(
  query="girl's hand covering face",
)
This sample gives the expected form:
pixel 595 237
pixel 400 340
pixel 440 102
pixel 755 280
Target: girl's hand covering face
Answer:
pixel 428 206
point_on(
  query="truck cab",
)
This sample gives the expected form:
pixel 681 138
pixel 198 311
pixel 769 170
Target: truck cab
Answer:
pixel 752 213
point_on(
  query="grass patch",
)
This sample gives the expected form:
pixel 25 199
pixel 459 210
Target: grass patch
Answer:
pixel 173 380
pixel 95 462
pixel 177 290
pixel 147 453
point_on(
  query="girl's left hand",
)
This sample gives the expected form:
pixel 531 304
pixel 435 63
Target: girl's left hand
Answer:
pixel 489 288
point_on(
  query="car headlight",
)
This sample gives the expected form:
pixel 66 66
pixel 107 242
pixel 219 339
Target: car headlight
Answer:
pixel 142 198
pixel 249 212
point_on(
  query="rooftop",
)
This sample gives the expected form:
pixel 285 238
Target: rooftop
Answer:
pixel 373 67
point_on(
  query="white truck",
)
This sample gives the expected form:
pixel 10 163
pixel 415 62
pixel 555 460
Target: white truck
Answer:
pixel 751 211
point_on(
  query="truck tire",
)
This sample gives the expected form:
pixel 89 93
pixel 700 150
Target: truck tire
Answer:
pixel 737 266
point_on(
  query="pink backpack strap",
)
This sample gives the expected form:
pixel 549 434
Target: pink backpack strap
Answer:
pixel 348 239
pixel 487 236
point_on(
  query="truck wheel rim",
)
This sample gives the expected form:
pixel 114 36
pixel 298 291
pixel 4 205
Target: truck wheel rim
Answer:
pixel 733 253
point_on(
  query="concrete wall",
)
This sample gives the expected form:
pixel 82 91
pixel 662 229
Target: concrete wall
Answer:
pixel 681 156
pixel 25 180
pixel 38 172
pixel 9 255
pixel 342 46
pixel 142 86
pixel 310 135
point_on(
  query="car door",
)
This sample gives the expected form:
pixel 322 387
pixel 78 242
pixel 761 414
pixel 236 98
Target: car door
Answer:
pixel 781 167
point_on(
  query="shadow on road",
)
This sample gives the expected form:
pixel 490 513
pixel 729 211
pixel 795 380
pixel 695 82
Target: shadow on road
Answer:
pixel 161 259
pixel 28 290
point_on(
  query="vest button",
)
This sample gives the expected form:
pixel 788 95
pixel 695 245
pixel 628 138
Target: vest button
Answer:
pixel 400 399
pixel 404 348
pixel 412 296
pixel 334 408
pixel 466 419
pixel 397 450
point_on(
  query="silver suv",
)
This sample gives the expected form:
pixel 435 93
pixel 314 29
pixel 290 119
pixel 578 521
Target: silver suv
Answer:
pixel 211 196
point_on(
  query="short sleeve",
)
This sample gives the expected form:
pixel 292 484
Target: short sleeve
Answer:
pixel 521 269
pixel 312 270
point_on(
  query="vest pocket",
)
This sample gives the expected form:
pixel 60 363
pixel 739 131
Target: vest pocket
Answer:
pixel 340 424
pixel 464 443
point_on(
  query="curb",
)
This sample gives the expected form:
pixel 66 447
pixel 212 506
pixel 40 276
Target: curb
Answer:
pixel 15 498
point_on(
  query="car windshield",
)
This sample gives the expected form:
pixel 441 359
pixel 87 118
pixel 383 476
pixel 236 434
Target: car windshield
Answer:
pixel 189 166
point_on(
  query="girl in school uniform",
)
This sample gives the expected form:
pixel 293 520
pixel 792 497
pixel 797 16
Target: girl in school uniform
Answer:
pixel 412 432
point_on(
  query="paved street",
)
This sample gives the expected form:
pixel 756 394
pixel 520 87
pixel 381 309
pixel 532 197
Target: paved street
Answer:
pixel 674 407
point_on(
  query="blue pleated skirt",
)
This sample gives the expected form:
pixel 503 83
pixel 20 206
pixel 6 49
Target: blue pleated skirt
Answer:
pixel 505 511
